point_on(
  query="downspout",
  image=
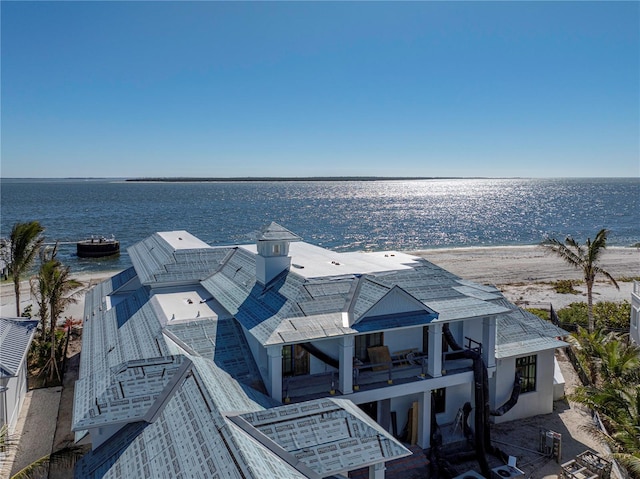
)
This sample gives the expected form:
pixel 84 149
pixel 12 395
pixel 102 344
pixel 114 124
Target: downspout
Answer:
pixel 515 393
pixel 481 397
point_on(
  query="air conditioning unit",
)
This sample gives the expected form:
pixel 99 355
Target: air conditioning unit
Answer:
pixel 470 475
pixel 506 472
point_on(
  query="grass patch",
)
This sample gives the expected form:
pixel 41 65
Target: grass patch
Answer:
pixel 628 279
pixel 566 286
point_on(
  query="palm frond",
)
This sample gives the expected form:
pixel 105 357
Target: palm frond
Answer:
pixel 65 457
pixel 631 462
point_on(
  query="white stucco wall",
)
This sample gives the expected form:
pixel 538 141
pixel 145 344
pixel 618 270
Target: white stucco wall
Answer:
pixel 531 403
pixel 471 329
pixel 16 389
pixel 259 355
pixel 403 339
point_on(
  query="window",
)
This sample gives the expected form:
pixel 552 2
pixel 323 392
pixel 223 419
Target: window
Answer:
pixel 439 400
pixel 528 370
pixel 635 312
pixel 295 360
pixel 276 249
pixel 365 341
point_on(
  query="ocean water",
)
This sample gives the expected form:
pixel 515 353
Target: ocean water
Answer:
pixel 341 215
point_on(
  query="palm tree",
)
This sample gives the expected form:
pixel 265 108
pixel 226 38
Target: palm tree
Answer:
pixel 39 287
pixel 25 242
pixel 619 407
pixel 620 361
pixel 57 288
pixel 589 347
pixel 584 257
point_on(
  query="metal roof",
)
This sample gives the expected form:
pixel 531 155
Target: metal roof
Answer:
pixel 276 232
pixel 161 258
pixel 294 308
pixel 186 387
pixel 174 410
pixel 222 341
pixel 520 333
pixel 15 337
pixel 329 436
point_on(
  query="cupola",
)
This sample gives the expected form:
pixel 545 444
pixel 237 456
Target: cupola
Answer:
pixel 273 252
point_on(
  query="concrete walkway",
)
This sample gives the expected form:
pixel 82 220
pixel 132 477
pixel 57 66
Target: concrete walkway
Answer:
pixel 36 427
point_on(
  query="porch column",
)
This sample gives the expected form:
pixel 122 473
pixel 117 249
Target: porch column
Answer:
pixel 274 354
pixel 346 364
pixel 424 421
pixel 376 471
pixel 434 367
pixel 489 341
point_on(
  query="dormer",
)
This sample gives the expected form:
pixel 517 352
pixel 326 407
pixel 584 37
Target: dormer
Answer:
pixel 273 252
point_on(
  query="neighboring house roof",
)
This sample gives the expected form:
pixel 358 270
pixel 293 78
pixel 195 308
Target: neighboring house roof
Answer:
pixel 16 335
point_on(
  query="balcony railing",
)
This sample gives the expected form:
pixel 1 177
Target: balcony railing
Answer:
pixel 400 369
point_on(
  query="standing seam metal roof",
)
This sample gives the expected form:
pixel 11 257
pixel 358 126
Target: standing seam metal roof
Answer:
pixel 15 337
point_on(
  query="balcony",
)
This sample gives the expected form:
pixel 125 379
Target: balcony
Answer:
pixel 408 366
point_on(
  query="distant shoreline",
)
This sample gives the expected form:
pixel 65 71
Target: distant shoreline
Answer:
pixel 300 178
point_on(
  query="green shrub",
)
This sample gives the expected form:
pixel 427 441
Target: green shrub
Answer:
pixel 541 313
pixel 575 313
pixel 612 315
pixel 607 314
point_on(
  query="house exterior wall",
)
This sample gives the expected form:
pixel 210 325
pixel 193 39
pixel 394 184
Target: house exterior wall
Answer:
pixel 330 347
pixel 269 267
pixel 402 339
pixel 16 389
pixel 259 354
pixel 531 403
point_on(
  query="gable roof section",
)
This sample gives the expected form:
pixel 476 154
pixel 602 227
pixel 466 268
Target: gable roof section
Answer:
pixel 134 392
pixel 328 436
pixel 16 335
pixel 175 256
pixel 395 302
pixel 189 438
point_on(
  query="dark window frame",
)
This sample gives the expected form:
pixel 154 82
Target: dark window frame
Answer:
pixel 528 367
pixel 365 341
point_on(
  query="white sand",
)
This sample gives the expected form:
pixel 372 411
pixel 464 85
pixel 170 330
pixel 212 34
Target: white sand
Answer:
pixel 525 273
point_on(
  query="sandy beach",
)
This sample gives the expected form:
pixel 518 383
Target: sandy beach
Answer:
pixel 523 273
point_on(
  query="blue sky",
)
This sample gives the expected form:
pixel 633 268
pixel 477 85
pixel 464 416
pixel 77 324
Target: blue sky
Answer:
pixel 129 89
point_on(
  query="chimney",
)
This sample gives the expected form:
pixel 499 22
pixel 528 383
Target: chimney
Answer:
pixel 273 252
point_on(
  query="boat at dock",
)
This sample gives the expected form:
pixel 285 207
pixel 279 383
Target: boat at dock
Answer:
pixel 97 247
